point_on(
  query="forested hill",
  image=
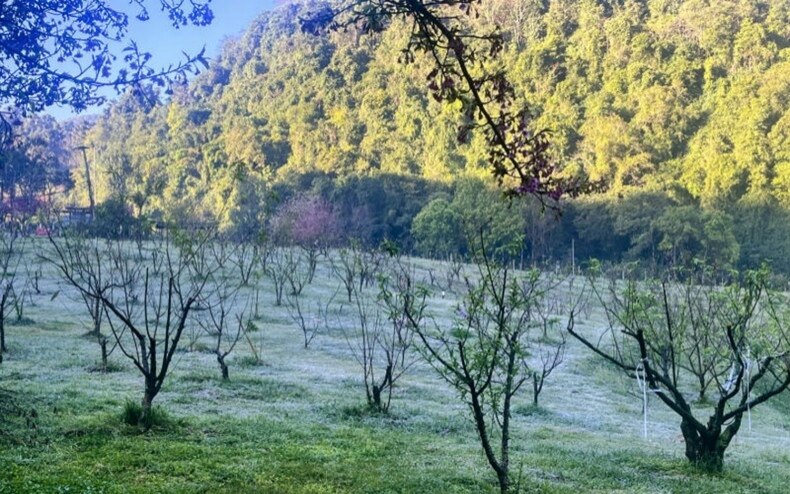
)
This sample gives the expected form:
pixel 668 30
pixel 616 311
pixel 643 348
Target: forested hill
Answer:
pixel 682 107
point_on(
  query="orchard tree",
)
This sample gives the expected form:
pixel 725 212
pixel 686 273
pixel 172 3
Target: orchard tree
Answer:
pixel 280 264
pixel 484 354
pixel 359 267
pixel 224 316
pixel 11 253
pixel 383 338
pixel 246 258
pixel 683 337
pixel 308 222
pixel 146 299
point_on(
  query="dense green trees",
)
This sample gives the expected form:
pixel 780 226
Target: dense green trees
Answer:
pixel 437 229
pixel 443 228
pixel 682 108
pixel 33 165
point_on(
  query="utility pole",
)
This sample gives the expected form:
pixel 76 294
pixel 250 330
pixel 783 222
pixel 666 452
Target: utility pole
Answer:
pixel 88 180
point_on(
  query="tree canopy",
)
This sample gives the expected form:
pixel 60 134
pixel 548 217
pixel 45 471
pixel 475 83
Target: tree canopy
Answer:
pixel 61 52
pixel 462 73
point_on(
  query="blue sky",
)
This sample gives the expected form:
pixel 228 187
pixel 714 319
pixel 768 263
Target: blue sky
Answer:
pixel 166 44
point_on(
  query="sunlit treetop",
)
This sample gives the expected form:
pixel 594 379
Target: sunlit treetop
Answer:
pixel 462 75
pixel 64 52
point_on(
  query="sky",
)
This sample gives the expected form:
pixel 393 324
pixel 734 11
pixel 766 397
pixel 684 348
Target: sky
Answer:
pixel 167 44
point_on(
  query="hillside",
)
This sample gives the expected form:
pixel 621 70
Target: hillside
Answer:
pixel 681 107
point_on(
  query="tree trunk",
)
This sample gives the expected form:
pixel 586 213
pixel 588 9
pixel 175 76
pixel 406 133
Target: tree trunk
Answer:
pixel 97 317
pixel 377 397
pixel 312 262
pixel 706 451
pixel 148 399
pixel 3 348
pixel 504 482
pixel 223 367
pixel 103 344
pixel 500 468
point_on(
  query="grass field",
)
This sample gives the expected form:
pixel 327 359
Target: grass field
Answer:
pixel 297 423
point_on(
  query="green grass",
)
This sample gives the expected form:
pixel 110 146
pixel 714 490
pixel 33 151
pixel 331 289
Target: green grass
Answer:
pixel 101 454
pixel 229 455
pixel 297 423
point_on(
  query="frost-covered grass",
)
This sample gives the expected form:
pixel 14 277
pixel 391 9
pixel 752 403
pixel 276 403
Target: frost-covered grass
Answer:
pixel 297 423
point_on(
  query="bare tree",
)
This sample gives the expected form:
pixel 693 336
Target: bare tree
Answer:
pixel 549 349
pixel 300 271
pixel 192 335
pixel 346 265
pixel 447 276
pixel 96 313
pixel 146 301
pixel 383 339
pixel 34 272
pixel 675 334
pixel 11 252
pixel 279 265
pixel 549 306
pixel 224 318
pixel 221 252
pixel 698 316
pixel 549 356
pixel 453 272
pixel 89 254
pixel 286 268
pixel 222 255
pixel 259 269
pixel 372 262
pixel 310 325
pixel 357 267
pixel 246 259
pixel 311 252
pixel 22 297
